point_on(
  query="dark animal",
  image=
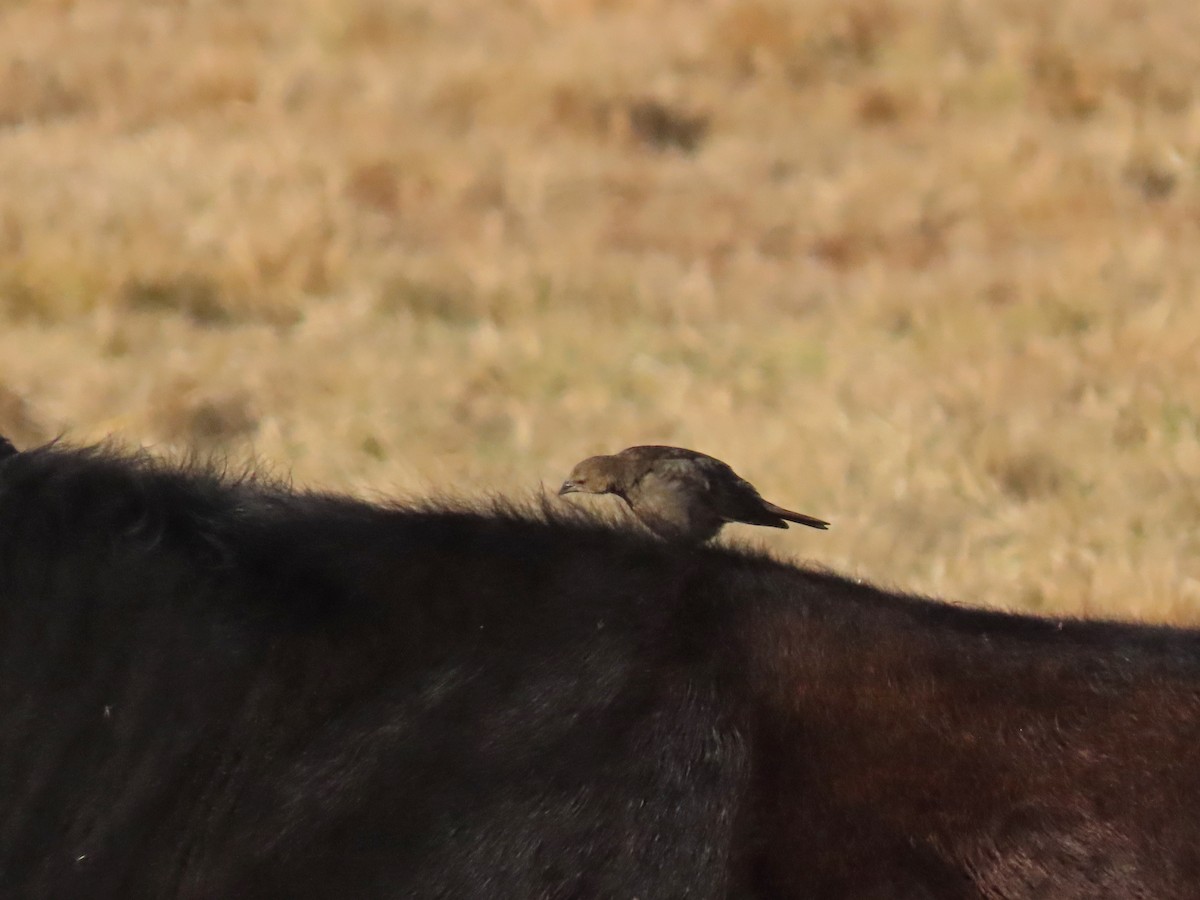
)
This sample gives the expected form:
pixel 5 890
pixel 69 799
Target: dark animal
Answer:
pixel 680 494
pixel 213 688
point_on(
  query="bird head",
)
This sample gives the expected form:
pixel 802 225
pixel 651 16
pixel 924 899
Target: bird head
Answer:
pixel 595 475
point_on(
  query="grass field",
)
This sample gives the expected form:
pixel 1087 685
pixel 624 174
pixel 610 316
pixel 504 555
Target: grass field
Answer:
pixel 927 268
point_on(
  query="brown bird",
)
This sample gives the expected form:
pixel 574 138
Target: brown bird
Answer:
pixel 679 494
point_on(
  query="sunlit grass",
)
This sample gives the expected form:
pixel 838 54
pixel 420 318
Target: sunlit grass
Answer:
pixel 925 268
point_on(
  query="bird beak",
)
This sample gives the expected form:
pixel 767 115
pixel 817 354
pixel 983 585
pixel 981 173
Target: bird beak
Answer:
pixel 568 487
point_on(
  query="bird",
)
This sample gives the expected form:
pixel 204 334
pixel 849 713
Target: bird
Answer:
pixel 680 495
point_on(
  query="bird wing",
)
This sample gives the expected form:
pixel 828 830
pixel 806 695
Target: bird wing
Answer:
pixel 685 472
pixel 737 500
pixel 714 485
pixel 652 453
pixel 705 477
pixel 673 497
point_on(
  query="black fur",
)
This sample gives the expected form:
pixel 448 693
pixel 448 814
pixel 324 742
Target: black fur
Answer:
pixel 213 687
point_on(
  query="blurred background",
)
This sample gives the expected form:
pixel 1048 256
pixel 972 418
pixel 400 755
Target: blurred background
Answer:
pixel 926 268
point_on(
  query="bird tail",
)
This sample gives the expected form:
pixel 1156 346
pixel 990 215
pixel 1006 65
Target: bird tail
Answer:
pixel 798 518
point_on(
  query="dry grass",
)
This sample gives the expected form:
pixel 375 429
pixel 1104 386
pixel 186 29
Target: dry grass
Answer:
pixel 925 267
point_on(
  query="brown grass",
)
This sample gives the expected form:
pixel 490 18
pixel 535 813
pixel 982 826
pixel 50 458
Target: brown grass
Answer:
pixel 926 268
